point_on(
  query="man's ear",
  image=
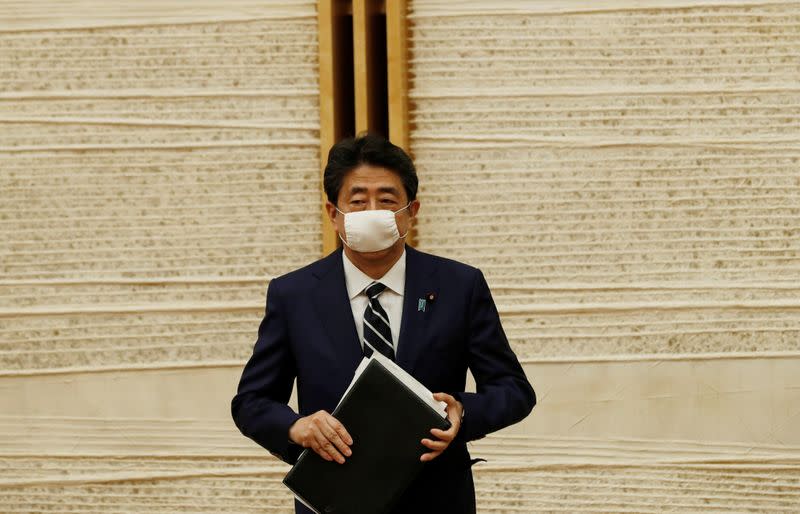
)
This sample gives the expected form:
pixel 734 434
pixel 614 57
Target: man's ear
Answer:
pixel 413 209
pixel 332 212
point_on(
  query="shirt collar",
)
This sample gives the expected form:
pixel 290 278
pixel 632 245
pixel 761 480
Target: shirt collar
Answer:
pixel 357 280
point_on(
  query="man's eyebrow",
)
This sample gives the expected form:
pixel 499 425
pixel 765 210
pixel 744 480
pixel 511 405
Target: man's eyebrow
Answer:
pixel 385 189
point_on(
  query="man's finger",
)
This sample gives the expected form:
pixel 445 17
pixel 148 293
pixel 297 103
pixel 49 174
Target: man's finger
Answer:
pixel 435 445
pixel 337 425
pixel 444 436
pixel 429 456
pixel 444 397
pixel 328 447
pixel 319 451
pixel 333 436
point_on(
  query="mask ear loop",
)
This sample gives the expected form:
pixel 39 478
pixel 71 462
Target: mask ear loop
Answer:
pixel 340 235
pixel 409 228
pixel 344 242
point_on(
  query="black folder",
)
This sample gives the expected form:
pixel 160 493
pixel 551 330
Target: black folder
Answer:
pixel 387 420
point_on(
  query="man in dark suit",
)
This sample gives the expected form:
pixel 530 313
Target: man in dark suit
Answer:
pixel 434 316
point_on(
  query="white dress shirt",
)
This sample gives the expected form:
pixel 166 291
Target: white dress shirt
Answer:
pixel 391 299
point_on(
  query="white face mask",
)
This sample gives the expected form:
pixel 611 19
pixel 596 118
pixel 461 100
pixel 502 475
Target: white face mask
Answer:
pixel 371 231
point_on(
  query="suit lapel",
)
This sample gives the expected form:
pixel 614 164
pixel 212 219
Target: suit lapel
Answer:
pixel 420 281
pixel 333 307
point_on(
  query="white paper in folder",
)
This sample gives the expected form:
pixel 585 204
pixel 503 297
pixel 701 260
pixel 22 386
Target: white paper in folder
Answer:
pixel 402 375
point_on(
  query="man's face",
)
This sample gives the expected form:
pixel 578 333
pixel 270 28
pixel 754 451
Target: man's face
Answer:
pixel 370 188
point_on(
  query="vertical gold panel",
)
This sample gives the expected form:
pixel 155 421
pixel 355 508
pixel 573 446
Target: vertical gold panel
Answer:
pixel 363 47
pixel 397 50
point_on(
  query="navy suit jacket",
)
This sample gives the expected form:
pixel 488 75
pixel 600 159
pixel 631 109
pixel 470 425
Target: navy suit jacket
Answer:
pixel 308 333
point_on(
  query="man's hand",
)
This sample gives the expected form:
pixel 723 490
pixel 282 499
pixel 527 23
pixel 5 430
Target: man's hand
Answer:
pixel 324 434
pixel 454 410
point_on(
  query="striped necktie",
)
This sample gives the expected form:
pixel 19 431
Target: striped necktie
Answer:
pixel 377 332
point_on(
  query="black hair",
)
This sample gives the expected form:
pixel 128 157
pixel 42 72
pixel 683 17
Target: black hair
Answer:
pixel 372 149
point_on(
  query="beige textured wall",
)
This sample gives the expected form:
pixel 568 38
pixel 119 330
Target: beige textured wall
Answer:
pixel 644 162
pixel 627 175
pixel 159 162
